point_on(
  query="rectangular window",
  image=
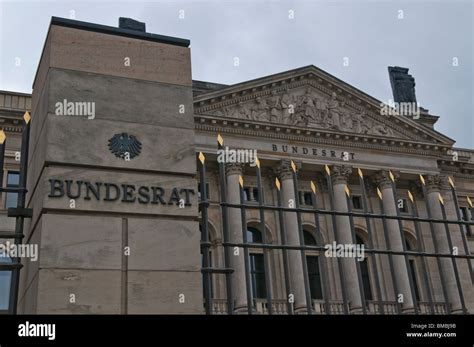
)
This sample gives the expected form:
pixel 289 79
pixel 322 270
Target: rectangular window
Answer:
pixel 466 216
pixel 314 276
pixel 357 202
pixel 403 205
pixel 255 194
pixel 305 198
pixel 13 181
pixel 5 280
pixel 257 271
pixel 413 276
pixel 247 195
pixel 364 269
pixel 308 198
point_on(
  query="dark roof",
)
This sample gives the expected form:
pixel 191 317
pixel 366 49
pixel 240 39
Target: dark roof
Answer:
pixel 201 87
pixel 105 29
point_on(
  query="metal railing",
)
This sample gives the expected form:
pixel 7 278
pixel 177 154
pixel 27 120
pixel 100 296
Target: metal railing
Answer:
pixel 272 305
pixel 20 212
pixel 219 306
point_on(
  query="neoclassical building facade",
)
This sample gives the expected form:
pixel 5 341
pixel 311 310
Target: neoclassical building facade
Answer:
pixel 349 157
pixel 313 119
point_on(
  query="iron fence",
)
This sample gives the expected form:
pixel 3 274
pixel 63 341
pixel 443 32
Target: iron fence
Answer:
pixel 20 212
pixel 271 305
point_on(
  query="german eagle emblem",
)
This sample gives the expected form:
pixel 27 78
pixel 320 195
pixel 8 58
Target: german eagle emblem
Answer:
pixel 125 146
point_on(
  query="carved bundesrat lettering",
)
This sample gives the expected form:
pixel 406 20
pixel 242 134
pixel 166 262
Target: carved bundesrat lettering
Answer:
pixel 125 193
pixel 318 152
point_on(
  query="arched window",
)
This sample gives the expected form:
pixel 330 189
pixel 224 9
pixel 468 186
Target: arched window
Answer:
pixel 364 270
pixel 5 281
pixel 412 264
pixel 257 265
pixel 254 235
pixel 314 269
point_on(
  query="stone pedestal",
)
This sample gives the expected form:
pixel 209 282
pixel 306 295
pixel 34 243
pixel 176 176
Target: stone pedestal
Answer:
pixel 129 243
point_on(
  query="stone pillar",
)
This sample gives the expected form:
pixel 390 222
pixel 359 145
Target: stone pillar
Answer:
pixel 433 189
pixel 233 171
pixel 463 268
pixel 112 161
pixel 384 183
pixel 339 176
pixel 295 265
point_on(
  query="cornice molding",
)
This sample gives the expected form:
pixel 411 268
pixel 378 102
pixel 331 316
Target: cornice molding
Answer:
pixel 231 97
pixel 317 136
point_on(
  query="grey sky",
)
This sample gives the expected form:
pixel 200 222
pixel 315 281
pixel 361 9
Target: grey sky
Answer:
pixel 266 41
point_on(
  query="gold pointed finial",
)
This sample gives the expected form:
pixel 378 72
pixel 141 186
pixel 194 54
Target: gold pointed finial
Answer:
pixel 313 187
pixel 257 162
pixel 379 193
pixel 422 180
pixel 410 196
pixel 27 117
pixel 241 181
pixel 293 166
pixel 328 171
pixel 277 183
pixel 361 175
pixel 220 139
pixel 440 198
pixel 451 182
pixel 469 201
pixel 3 137
pixel 348 192
pixel 202 158
pixel 391 175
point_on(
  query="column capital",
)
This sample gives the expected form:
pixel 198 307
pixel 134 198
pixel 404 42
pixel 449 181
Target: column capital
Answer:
pixel 234 168
pixel 382 178
pixel 444 183
pixel 340 173
pixel 432 183
pixel 284 171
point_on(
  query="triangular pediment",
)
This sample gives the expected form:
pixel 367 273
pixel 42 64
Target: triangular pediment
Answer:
pixel 312 99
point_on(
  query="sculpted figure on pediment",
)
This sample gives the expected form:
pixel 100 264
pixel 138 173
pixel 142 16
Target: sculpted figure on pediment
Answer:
pixel 334 112
pixel 275 108
pixel 260 110
pixel 224 112
pixel 357 122
pixel 241 111
pixel 305 108
pixel 381 129
pixel 288 105
pixel 346 121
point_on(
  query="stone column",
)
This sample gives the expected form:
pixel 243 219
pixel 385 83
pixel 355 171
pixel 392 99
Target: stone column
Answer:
pixel 233 171
pixel 339 176
pixel 295 265
pixel 433 189
pixel 463 268
pixel 384 183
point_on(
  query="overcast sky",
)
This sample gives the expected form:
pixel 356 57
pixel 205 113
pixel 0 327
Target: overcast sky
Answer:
pixel 428 37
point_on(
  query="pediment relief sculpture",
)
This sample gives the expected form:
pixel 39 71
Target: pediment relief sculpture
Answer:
pixel 306 108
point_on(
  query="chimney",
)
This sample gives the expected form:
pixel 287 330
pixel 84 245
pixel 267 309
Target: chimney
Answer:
pixel 403 84
pixel 131 24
